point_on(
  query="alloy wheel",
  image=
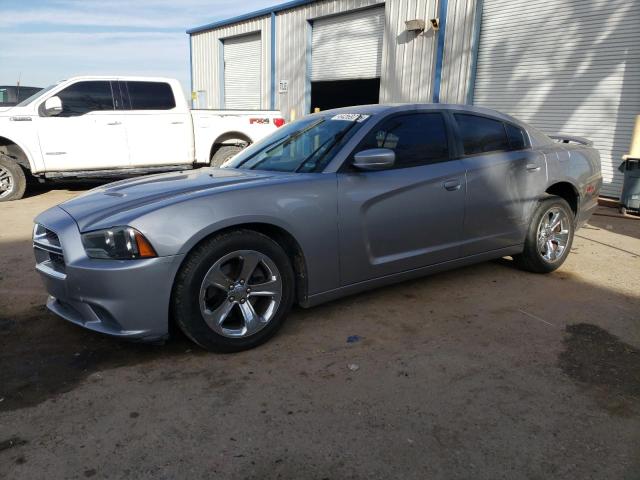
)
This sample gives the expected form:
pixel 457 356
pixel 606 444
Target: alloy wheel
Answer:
pixel 553 234
pixel 6 182
pixel 240 294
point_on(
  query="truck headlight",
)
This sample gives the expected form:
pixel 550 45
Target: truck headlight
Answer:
pixel 118 243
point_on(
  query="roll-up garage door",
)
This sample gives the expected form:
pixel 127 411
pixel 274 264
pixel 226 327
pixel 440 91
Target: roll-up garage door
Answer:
pixel 348 47
pixel 242 66
pixel 565 66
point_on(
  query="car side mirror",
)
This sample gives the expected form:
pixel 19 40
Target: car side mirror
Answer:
pixel 374 159
pixel 52 106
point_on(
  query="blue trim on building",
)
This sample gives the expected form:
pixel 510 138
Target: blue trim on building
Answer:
pixel 475 48
pixel 307 76
pixel 247 16
pixel 440 51
pixel 273 61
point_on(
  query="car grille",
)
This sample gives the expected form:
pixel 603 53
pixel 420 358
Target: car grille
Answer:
pixel 48 251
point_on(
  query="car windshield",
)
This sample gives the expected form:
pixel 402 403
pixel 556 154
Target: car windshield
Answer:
pixel 36 95
pixel 302 146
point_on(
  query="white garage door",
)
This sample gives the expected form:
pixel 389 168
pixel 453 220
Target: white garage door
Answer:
pixel 348 47
pixel 565 66
pixel 242 66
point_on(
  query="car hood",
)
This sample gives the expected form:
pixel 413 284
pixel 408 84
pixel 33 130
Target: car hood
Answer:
pixel 133 197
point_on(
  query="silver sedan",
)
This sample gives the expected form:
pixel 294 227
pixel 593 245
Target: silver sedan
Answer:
pixel 330 205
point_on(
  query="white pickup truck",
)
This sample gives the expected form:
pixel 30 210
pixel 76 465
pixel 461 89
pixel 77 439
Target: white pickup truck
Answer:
pixel 117 127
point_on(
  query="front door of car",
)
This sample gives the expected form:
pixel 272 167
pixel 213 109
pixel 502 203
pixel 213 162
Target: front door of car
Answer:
pixel 407 216
pixel 87 134
pixel 504 180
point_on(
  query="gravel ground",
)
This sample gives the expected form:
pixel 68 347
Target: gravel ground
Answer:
pixel 484 372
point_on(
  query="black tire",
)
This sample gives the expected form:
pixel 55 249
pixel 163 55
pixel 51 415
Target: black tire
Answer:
pixel 185 299
pixel 12 174
pixel 531 259
pixel 224 153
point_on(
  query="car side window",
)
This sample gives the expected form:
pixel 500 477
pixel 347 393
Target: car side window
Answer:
pixel 85 97
pixel 151 96
pixel 481 134
pixel 517 139
pixel 416 139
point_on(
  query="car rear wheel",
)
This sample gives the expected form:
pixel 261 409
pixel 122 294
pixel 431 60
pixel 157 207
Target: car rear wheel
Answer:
pixel 233 292
pixel 549 237
pixel 13 181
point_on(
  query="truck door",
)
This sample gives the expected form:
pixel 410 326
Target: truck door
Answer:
pixel 87 133
pixel 159 132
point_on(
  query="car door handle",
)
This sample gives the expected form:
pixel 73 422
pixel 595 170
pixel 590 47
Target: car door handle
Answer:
pixel 114 123
pixel 177 123
pixel 452 185
pixel 533 167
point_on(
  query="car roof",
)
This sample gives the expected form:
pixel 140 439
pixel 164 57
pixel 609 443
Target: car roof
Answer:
pixel 376 109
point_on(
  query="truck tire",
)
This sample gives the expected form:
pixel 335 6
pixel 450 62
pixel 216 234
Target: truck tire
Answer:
pixel 549 237
pixel 13 181
pixel 224 153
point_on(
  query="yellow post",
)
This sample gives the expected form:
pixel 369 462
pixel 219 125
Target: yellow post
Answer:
pixel 292 116
pixel 634 152
pixel 316 110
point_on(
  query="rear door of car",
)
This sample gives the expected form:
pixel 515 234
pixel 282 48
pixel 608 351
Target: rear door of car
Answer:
pixel 504 180
pixel 158 133
pixel 408 216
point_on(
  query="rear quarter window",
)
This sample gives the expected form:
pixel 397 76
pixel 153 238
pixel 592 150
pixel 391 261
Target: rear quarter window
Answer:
pixel 516 136
pixel 151 96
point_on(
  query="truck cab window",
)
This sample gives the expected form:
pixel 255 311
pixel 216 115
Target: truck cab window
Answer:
pixel 85 97
pixel 151 96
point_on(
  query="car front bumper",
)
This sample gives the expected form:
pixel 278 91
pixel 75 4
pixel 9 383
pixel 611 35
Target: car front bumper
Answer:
pixel 123 298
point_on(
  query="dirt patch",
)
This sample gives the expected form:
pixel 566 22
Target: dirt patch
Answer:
pixel 49 356
pixel 595 357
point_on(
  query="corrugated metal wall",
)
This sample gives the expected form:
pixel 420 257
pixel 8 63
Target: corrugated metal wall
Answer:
pixel 293 37
pixel 408 60
pixel 458 57
pixel 206 59
pixel 565 66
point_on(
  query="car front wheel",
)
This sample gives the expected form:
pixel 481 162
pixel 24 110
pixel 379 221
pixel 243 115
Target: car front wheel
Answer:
pixel 549 237
pixel 233 292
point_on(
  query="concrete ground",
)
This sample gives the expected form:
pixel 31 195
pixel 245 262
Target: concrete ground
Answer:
pixel 484 372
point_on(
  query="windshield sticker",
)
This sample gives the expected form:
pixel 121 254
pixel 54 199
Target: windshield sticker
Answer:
pixel 350 117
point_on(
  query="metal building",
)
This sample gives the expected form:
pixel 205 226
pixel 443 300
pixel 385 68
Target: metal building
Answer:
pixel 569 66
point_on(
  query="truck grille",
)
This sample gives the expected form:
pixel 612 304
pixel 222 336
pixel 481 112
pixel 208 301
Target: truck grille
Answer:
pixel 48 251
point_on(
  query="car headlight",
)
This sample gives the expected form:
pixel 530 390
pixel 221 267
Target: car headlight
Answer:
pixel 118 243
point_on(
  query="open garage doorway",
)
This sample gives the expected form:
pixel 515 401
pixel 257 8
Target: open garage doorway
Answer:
pixel 344 93
pixel 346 58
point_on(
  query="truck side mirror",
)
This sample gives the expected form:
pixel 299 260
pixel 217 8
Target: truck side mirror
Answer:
pixel 52 106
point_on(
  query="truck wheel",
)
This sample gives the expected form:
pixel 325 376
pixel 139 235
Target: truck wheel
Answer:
pixel 549 237
pixel 13 181
pixel 233 291
pixel 224 153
